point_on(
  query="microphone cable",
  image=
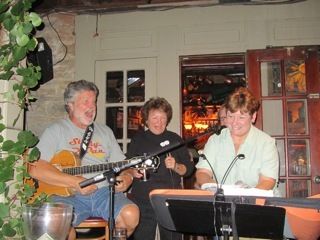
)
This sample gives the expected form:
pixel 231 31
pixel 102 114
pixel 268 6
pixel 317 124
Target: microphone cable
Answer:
pixel 171 173
pixel 201 155
pixel 220 193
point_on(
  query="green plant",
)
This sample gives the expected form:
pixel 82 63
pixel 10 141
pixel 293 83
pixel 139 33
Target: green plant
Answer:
pixel 17 27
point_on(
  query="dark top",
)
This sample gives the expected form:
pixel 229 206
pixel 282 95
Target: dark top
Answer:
pixel 145 142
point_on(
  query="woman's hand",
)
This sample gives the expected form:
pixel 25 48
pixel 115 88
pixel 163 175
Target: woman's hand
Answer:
pixel 123 182
pixel 170 162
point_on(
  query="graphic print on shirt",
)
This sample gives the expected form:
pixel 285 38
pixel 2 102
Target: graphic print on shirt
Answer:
pixel 95 148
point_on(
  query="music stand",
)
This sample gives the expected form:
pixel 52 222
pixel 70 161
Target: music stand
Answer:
pixel 201 215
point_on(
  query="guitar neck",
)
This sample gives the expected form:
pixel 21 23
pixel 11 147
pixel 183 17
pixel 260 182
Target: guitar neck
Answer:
pixel 93 168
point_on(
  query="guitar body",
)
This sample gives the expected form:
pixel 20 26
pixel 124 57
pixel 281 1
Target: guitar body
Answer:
pixel 61 160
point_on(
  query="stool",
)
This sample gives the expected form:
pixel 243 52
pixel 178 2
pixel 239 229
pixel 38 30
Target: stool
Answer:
pixel 95 222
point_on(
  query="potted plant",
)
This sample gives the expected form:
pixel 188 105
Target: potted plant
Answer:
pixel 17 27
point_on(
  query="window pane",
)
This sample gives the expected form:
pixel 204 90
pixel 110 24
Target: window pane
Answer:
pixel 136 86
pixel 272 117
pixel 121 146
pixel 295 77
pixel 134 121
pixel 297 121
pixel 282 188
pixel 115 120
pixel 299 159
pixel 270 79
pixel 299 188
pixel 281 151
pixel 114 87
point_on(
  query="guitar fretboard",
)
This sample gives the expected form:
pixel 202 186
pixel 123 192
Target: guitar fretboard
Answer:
pixel 94 168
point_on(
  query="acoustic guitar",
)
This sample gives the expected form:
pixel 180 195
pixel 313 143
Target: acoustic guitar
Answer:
pixel 68 162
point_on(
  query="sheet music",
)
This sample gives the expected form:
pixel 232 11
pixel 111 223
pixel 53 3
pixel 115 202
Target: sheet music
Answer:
pixel 238 190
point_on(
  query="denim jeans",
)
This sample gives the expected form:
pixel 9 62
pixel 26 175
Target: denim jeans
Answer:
pixel 93 205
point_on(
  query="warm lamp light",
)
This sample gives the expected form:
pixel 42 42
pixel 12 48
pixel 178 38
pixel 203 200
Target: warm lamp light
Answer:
pixel 188 126
pixel 200 125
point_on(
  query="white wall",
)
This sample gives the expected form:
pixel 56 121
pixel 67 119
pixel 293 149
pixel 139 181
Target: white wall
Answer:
pixel 166 35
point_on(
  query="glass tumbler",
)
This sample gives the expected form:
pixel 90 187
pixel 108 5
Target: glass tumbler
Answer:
pixel 48 221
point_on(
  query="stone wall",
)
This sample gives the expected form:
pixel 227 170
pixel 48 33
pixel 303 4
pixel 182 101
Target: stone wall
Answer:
pixel 49 105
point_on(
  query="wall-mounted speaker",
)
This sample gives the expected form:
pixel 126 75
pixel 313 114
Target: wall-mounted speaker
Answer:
pixel 42 56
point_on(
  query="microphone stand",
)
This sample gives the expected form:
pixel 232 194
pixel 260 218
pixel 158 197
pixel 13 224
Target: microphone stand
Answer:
pixel 111 179
pixel 110 176
pixel 229 214
pixel 220 193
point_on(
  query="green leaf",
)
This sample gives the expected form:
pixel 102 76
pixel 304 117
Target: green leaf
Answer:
pixel 9 65
pixel 2 187
pixel 18 8
pixel 4 6
pixel 22 40
pixel 18 148
pixel 8 24
pixel 28 190
pixel 8 230
pixel 17 30
pixel 6 75
pixel 11 159
pixel 24 71
pixel 27 28
pixel 17 86
pixel 4 210
pixel 2 17
pixel 32 44
pixel 7 145
pixel 2 127
pixel 27 138
pixel 31 81
pixel 19 53
pixel 6 174
pixel 35 19
pixel 34 155
pixel 21 94
pixel 28 4
pixel 14 222
pixel 1 138
pixel 20 177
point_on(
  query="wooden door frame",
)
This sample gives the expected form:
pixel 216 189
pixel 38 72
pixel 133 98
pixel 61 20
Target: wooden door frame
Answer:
pixel 253 58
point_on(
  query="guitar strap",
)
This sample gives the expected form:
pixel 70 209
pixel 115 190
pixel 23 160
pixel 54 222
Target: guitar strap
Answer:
pixel 86 140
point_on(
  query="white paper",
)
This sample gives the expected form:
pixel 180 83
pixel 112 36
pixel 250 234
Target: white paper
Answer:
pixel 238 190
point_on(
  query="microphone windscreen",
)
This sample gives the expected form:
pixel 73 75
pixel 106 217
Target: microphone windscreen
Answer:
pixel 219 129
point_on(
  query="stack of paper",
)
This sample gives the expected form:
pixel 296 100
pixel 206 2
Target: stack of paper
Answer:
pixel 238 190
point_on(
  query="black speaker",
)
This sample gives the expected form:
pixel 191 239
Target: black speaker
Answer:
pixel 42 56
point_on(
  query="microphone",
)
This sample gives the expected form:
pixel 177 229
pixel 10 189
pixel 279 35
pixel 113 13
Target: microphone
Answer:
pixel 220 192
pixel 92 180
pixel 217 129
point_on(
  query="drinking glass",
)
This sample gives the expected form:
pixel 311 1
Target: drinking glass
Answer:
pixel 120 234
pixel 50 221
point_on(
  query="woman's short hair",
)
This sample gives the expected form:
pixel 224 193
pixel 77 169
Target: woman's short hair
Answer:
pixel 159 104
pixel 242 99
pixel 75 87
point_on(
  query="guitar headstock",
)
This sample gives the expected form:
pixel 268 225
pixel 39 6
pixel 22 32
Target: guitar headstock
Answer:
pixel 150 163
